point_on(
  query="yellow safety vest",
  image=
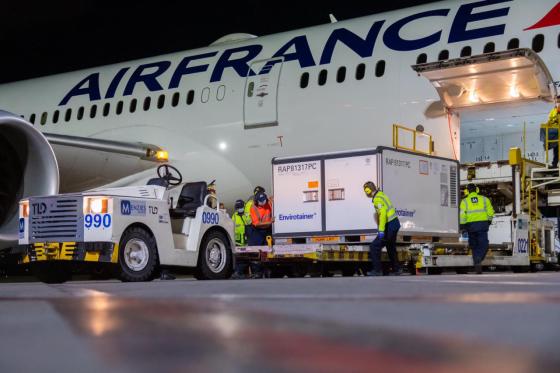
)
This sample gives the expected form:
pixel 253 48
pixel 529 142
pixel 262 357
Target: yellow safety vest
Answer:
pixel 247 211
pixel 240 223
pixel 384 208
pixel 476 208
pixel 553 118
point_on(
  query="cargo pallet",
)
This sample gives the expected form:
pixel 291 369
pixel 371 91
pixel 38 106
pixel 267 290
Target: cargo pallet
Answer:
pixel 319 259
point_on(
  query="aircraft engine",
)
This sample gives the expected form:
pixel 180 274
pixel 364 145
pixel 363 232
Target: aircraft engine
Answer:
pixel 28 167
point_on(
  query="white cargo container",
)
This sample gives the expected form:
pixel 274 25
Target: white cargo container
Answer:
pixel 322 195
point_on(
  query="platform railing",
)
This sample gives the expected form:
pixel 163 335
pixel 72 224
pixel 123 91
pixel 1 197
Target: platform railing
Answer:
pixel 413 140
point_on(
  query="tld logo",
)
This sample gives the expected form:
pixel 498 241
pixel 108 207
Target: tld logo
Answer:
pixel 21 225
pixel 39 208
pixel 125 207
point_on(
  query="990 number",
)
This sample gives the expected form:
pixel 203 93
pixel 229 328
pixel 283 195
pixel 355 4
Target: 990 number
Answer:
pixel 97 221
pixel 210 218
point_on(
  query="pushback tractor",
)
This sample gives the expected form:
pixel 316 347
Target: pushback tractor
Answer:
pixel 136 229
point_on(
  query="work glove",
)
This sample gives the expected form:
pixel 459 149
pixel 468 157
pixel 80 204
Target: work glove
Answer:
pixel 381 235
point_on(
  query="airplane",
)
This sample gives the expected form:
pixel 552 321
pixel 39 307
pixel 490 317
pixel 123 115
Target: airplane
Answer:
pixel 471 73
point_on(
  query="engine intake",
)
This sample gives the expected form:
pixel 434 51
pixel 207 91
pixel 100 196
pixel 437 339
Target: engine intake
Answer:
pixel 28 167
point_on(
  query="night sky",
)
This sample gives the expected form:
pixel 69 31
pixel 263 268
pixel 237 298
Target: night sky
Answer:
pixel 47 37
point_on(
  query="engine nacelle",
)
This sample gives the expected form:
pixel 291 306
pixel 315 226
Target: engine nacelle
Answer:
pixel 28 167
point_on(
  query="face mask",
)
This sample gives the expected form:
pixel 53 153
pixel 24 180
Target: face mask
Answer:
pixel 240 211
pixel 262 203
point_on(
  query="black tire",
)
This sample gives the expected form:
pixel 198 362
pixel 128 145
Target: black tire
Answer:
pixel 146 246
pixel 215 259
pixel 52 272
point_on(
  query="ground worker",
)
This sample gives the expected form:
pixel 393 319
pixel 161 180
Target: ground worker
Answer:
pixel 552 127
pixel 475 217
pixel 261 220
pixel 388 226
pixel 240 222
pixel 250 201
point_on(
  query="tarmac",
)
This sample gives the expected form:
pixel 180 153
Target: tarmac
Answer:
pixel 498 322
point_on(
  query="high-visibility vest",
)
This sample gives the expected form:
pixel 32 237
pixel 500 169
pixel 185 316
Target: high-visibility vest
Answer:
pixel 475 208
pixel 384 208
pixel 553 118
pixel 240 223
pixel 261 217
pixel 247 210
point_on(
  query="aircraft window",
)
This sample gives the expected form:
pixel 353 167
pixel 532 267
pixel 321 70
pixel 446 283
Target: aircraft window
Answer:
pixel 466 51
pixel 489 48
pixel 221 92
pixel 93 111
pixel 380 69
pixel 147 102
pixel 190 97
pixel 55 116
pixel 120 105
pixel 360 71
pixel 538 43
pixel 323 77
pixel 513 44
pixel 422 58
pixel 106 109
pixel 250 89
pixel 160 101
pixel 175 99
pixel 133 103
pixel 205 96
pixel 341 74
pixel 44 118
pixel 32 118
pixel 68 115
pixel 304 80
pixel 80 113
pixel 443 55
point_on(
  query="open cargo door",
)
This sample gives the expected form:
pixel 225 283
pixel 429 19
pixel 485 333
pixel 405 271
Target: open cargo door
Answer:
pixel 490 78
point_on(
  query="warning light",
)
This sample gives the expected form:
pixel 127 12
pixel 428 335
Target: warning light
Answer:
pixel 162 155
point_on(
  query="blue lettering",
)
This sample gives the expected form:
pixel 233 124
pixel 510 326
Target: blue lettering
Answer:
pixel 149 80
pixel 393 40
pixel 240 65
pixel 362 47
pixel 465 16
pixel 125 207
pixel 183 69
pixel 92 89
pixel 302 52
pixel 115 82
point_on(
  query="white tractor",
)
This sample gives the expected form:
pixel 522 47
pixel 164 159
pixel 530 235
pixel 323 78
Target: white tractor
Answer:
pixel 138 229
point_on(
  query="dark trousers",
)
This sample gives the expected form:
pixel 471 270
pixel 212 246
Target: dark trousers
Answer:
pixel 257 236
pixel 478 242
pixel 390 241
pixel 241 268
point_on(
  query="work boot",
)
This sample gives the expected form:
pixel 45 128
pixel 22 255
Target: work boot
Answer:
pixel 478 269
pixel 257 275
pixel 165 275
pixel 237 276
pixel 374 273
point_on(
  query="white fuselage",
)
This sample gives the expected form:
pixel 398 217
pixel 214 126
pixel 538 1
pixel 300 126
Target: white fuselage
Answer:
pixel 209 139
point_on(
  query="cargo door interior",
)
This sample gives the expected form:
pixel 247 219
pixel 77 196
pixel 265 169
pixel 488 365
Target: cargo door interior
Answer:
pixel 500 98
pixel 490 78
